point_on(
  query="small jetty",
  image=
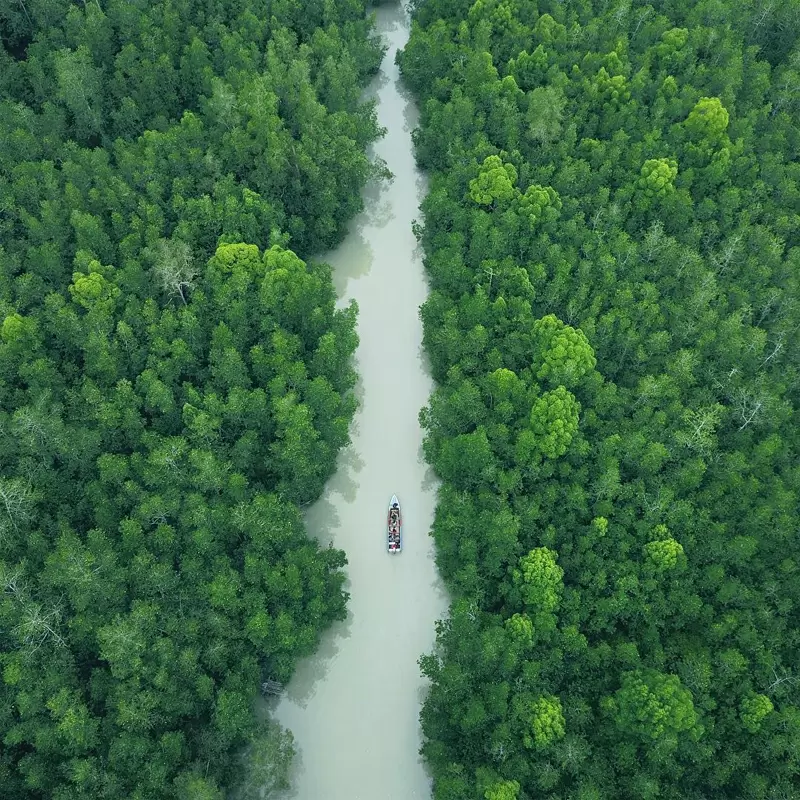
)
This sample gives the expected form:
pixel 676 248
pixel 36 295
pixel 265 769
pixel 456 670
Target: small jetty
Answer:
pixel 271 687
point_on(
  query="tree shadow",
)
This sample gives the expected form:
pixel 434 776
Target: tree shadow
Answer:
pixel 392 16
pixel 430 480
pixel 424 360
pixel 352 259
pixel 297 768
pixel 377 82
pixel 438 586
pixel 378 212
pixel 349 465
pixel 359 393
pixel 313 669
pixel 410 112
pixel 422 191
pixel 321 518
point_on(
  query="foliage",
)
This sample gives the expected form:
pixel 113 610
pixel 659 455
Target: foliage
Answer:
pixel 503 790
pixel 176 380
pixel 664 554
pixel 708 120
pixel 539 578
pixel 265 763
pixel 650 705
pixel 657 177
pixel 494 182
pixel 754 710
pixel 546 722
pixel 611 237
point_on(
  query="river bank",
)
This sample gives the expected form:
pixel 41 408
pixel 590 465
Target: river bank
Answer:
pixel 354 706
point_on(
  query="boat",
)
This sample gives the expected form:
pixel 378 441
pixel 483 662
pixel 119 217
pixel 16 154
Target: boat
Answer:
pixel 394 526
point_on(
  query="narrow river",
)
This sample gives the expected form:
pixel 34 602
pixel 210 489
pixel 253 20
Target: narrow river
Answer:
pixel 354 706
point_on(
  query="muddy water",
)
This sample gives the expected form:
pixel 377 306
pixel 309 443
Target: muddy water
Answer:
pixel 354 706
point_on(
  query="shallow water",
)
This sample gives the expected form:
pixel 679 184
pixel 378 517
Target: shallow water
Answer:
pixel 354 706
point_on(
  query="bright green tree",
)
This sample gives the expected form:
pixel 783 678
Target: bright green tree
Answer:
pixel 495 183
pixel 754 710
pixel 545 721
pixel 553 424
pixel 657 178
pixel 708 121
pixel 539 579
pixel 564 355
pixel 503 790
pixel 651 705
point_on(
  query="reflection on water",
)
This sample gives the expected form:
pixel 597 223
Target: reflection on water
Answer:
pixel 314 669
pixel 322 518
pixel 354 705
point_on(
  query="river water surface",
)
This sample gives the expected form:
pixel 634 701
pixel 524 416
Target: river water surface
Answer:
pixel 354 706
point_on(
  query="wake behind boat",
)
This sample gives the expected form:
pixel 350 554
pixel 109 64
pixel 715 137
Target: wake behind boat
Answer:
pixel 394 526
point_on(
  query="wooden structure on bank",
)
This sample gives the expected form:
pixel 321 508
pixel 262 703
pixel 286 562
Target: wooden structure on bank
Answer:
pixel 271 687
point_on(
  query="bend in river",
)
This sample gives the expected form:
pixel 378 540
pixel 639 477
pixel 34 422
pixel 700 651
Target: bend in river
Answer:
pixel 354 706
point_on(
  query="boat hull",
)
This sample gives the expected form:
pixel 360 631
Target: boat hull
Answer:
pixel 394 527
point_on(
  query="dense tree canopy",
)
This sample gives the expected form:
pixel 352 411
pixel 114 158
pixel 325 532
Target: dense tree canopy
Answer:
pixel 175 380
pixel 611 236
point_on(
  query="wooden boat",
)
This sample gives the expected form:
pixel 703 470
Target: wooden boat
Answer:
pixel 394 526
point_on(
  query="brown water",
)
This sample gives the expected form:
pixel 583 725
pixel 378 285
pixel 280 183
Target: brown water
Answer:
pixel 354 706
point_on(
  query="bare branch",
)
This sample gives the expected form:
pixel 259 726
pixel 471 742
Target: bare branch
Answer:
pixel 775 350
pixel 174 268
pixel 38 627
pixel 779 680
pixel 729 252
pixel 16 499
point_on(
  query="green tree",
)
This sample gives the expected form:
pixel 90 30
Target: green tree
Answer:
pixel 521 629
pixel 564 355
pixel 545 721
pixel 657 178
pixel 495 183
pixel 539 203
pixel 79 83
pixel 553 424
pixel 651 705
pixel 708 121
pixel 503 790
pixel 754 710
pixel 265 762
pixel 467 460
pixel 663 554
pixel 539 580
